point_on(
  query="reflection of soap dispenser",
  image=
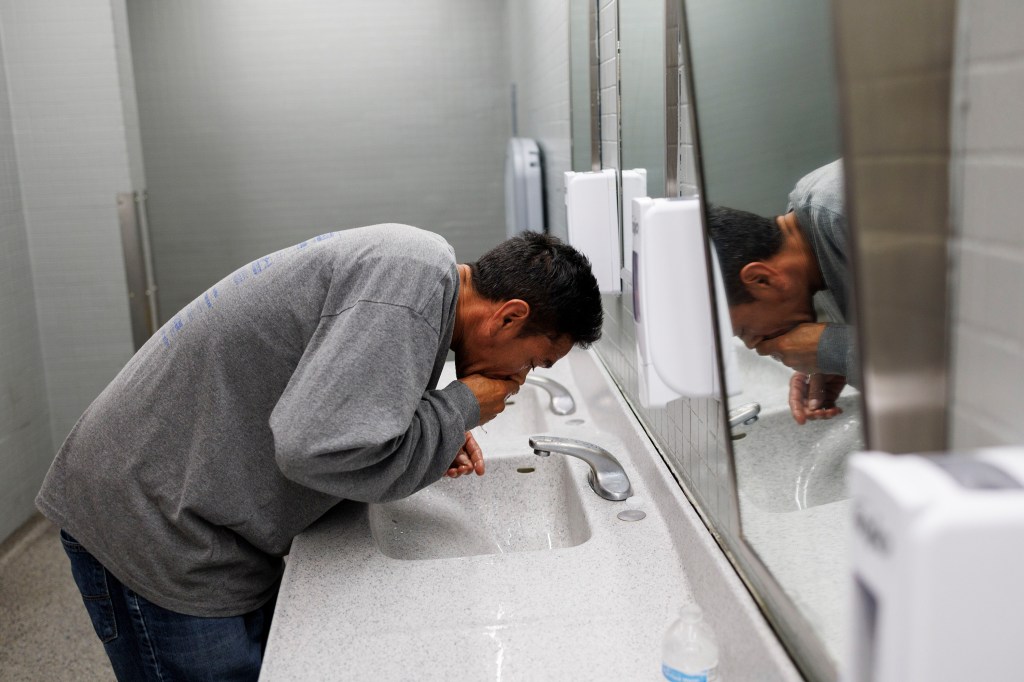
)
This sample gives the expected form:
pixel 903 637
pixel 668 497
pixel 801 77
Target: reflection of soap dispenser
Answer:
pixel 672 303
pixel 592 221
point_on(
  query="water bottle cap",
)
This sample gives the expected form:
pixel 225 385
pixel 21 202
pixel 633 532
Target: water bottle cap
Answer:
pixel 691 613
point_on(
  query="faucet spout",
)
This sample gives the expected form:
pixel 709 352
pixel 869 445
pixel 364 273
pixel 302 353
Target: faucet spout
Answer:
pixel 744 414
pixel 607 477
pixel 561 400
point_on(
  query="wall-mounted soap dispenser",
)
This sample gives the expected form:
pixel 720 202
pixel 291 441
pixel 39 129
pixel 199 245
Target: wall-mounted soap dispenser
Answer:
pixel 634 186
pixel 936 557
pixel 591 208
pixel 672 304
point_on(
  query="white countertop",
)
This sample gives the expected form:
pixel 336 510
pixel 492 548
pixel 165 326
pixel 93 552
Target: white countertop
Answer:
pixel 595 610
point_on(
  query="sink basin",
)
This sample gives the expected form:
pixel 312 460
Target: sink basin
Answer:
pixel 780 465
pixel 523 503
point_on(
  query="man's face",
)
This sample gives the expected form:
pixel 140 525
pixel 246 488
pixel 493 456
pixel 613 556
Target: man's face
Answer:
pixel 511 357
pixel 765 319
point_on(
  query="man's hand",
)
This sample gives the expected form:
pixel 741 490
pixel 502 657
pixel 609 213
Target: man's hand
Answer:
pixel 470 458
pixel 491 393
pixel 814 397
pixel 797 348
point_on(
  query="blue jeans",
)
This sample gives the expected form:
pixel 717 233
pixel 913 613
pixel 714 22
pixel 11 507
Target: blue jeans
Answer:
pixel 147 642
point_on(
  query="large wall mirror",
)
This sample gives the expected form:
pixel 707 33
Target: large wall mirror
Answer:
pixel 642 107
pixel 768 135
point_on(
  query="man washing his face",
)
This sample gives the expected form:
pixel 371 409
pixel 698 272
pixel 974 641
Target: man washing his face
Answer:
pixel 306 377
pixel 773 267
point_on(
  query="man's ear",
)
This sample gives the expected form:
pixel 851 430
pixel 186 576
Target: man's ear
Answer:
pixel 761 279
pixel 511 315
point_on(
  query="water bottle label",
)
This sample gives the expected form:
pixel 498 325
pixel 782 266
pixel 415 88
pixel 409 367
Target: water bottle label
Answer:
pixel 673 675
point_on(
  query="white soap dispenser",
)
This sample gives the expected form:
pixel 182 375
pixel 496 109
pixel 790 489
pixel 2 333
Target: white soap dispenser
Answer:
pixel 936 558
pixel 592 222
pixel 672 303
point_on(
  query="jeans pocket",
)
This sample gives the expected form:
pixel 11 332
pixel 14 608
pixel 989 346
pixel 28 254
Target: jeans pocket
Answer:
pixel 91 579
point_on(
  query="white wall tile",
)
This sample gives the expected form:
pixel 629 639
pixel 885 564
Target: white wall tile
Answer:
pixel 996 29
pixel 987 251
pixel 994 90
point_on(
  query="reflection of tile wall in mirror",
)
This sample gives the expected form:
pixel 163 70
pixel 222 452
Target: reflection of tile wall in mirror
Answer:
pixel 687 431
pixel 607 41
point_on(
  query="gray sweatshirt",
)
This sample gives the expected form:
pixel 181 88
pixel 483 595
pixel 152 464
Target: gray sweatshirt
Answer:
pixel 304 378
pixel 817 201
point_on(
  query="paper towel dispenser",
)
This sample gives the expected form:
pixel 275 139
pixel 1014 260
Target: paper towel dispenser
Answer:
pixel 524 187
pixel 592 222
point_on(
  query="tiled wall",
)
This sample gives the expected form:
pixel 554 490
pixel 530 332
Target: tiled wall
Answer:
pixel 608 79
pixel 25 437
pixel 988 243
pixel 686 431
pixel 538 33
pixel 685 150
pixel 266 122
pixel 67 118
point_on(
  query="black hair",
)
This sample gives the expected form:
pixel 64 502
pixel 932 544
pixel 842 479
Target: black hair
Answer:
pixel 552 277
pixel 740 238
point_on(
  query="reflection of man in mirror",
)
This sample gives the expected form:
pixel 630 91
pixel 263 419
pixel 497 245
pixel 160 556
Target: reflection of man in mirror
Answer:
pixel 773 267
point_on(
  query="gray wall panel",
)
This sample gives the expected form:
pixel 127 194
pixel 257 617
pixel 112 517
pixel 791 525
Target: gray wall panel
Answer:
pixel 25 442
pixel 265 122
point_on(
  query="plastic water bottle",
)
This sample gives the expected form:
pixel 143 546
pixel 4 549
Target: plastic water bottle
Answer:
pixel 690 652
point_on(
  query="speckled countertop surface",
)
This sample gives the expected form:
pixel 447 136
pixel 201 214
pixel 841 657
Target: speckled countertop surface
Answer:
pixel 808 553
pixel 793 500
pixel 595 606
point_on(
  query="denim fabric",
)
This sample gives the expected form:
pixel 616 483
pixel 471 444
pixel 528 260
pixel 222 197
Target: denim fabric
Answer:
pixel 148 642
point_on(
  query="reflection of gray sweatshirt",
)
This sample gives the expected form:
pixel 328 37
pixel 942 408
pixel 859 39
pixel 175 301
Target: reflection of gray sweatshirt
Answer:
pixel 817 201
pixel 304 378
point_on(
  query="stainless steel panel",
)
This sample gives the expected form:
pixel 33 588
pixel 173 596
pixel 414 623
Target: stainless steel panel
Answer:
pixel 895 62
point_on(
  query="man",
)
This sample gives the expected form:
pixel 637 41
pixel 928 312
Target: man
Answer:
pixel 772 269
pixel 304 378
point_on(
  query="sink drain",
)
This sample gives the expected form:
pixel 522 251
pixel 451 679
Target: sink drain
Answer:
pixel 574 422
pixel 526 470
pixel 631 515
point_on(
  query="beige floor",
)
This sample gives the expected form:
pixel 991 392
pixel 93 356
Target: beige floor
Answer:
pixel 45 633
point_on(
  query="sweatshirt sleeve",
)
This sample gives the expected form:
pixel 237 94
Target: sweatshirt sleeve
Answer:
pixel 837 352
pixel 356 421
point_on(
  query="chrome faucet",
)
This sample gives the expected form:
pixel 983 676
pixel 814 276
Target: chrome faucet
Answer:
pixel 607 477
pixel 744 414
pixel 561 400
